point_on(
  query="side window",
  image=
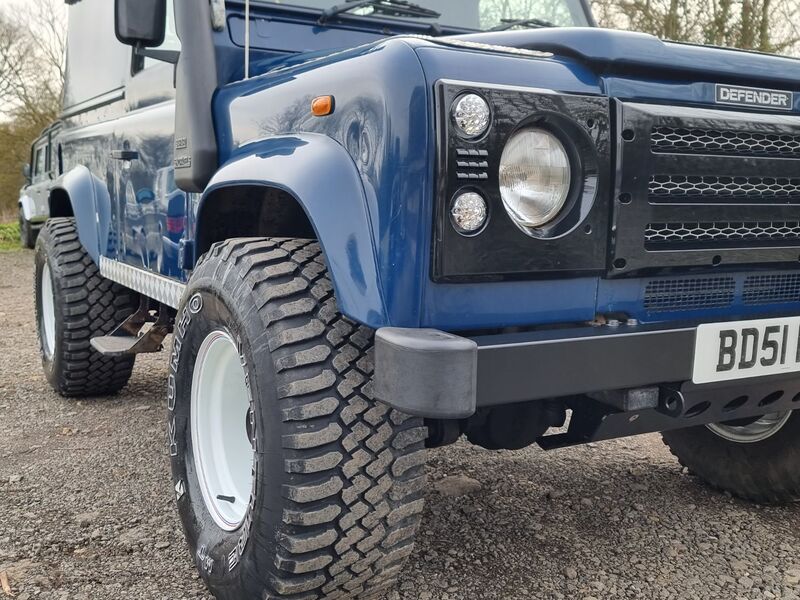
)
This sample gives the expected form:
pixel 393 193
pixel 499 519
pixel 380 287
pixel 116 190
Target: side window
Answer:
pixel 96 62
pixel 39 164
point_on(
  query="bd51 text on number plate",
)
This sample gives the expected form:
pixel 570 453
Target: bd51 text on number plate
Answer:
pixel 726 351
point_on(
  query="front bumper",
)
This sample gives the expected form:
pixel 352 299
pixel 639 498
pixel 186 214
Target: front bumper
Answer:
pixel 434 374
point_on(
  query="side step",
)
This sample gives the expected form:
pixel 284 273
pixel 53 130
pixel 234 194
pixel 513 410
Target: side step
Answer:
pixel 131 337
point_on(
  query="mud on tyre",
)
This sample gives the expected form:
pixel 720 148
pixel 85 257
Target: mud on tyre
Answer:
pixel 334 491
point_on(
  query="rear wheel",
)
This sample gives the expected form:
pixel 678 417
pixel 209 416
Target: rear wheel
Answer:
pixel 74 303
pixel 291 481
pixel 755 459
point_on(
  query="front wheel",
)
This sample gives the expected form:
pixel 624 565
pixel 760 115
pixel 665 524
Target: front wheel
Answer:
pixel 291 481
pixel 755 459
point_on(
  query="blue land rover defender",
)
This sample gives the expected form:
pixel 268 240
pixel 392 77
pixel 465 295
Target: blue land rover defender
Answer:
pixel 378 226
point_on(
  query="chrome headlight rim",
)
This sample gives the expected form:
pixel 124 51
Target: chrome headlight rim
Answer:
pixel 567 216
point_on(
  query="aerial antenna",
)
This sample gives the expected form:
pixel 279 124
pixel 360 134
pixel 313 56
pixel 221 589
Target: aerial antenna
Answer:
pixel 247 39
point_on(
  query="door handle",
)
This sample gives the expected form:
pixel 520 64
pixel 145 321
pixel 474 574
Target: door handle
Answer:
pixel 124 155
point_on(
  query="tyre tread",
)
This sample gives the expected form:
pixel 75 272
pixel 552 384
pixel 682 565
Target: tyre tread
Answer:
pixel 767 472
pixel 92 306
pixel 356 467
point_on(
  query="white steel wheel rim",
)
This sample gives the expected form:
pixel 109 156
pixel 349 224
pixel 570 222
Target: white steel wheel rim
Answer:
pixel 221 445
pixel 758 431
pixel 48 311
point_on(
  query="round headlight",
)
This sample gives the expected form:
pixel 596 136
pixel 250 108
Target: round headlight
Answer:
pixel 468 212
pixel 534 177
pixel 471 114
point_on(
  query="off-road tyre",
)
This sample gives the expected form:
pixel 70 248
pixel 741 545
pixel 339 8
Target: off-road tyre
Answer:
pixel 338 478
pixel 27 234
pixel 86 305
pixel 766 472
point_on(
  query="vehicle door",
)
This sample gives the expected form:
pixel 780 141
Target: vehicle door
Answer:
pixel 151 224
pixel 40 180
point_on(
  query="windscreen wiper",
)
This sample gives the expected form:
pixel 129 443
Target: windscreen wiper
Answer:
pixel 511 23
pixel 391 8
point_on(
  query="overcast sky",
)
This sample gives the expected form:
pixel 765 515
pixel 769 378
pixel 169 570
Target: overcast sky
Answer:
pixel 57 4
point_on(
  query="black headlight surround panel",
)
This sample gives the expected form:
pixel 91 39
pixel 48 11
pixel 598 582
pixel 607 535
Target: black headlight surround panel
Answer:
pixel 576 242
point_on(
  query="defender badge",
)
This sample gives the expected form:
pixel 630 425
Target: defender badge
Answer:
pixel 747 96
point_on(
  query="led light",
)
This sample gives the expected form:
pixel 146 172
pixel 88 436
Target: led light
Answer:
pixel 468 212
pixel 534 177
pixel 472 115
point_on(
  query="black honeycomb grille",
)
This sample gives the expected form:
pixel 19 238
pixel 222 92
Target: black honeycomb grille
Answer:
pixel 664 188
pixel 678 140
pixel 721 233
pixel 699 188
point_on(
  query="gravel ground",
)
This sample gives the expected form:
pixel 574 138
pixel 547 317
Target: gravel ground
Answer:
pixel 86 509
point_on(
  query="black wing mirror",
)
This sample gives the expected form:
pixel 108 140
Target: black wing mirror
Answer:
pixel 140 23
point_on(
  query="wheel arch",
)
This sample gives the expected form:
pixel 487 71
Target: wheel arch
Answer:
pixel 250 210
pixel 300 186
pixel 26 205
pixel 60 204
pixel 80 194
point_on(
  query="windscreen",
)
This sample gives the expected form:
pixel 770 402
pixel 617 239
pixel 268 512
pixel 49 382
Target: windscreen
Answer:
pixel 482 14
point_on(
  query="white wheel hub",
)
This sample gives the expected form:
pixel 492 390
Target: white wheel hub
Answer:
pixel 48 315
pixel 757 431
pixel 221 430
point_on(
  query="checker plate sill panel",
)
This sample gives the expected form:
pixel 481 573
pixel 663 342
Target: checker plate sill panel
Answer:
pixel 159 288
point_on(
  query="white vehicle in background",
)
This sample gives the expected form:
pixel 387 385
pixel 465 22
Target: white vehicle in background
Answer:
pixel 43 168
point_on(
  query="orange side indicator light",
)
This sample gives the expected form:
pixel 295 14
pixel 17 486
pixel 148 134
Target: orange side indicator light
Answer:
pixel 322 106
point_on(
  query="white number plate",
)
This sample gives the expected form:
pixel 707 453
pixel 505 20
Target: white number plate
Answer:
pixel 725 351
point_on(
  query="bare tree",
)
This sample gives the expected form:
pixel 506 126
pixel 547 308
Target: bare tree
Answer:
pixel 31 58
pixel 50 37
pixel 31 81
pixel 764 25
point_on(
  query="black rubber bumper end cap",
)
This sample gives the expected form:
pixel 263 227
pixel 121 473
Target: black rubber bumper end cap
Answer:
pixel 426 372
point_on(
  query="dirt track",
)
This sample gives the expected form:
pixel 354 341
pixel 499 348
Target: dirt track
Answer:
pixel 86 509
